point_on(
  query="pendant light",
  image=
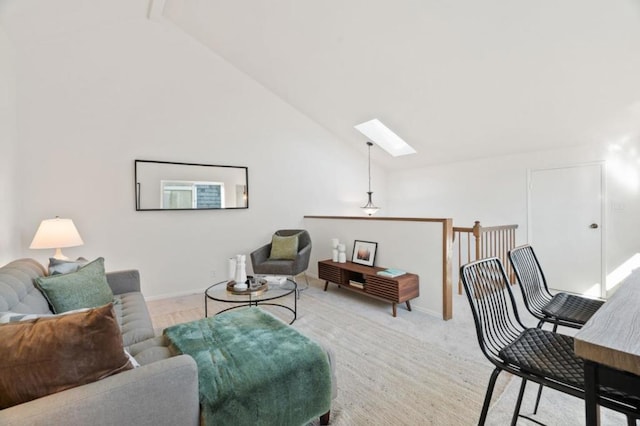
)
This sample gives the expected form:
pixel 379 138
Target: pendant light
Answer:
pixel 369 208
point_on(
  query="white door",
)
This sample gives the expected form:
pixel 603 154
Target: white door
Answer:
pixel 566 224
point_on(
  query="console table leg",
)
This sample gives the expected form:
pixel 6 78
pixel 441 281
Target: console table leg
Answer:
pixel 326 284
pixel 393 307
pixel 408 306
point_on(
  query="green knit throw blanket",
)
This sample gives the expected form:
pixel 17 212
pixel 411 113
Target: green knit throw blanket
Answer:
pixel 254 370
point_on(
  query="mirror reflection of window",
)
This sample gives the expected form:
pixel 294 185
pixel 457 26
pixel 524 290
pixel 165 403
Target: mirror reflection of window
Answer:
pixel 176 197
pixel 192 195
pixel 163 185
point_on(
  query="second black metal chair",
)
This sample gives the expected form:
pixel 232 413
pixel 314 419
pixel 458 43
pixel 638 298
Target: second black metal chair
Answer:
pixel 533 354
pixel 565 309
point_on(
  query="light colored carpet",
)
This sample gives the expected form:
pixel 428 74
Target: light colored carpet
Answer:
pixel 389 372
pixel 409 370
pixel 388 377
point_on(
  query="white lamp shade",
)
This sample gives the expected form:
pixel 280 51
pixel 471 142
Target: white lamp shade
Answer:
pixel 56 233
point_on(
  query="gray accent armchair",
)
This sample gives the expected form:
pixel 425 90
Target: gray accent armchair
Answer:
pixel 263 265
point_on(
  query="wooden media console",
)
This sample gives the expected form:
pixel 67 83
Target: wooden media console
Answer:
pixel 400 289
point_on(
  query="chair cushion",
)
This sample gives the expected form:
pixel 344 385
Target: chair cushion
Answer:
pixel 547 354
pixel 569 307
pixel 48 355
pixel 284 247
pixel 276 267
pixel 85 288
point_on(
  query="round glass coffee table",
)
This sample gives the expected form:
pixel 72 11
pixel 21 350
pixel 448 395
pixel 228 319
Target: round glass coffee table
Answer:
pixel 274 291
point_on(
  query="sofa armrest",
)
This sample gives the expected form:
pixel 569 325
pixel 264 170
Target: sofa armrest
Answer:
pixel 163 392
pixel 124 281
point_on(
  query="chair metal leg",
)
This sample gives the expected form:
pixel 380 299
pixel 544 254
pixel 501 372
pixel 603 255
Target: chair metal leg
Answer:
pixel 302 289
pixel 535 409
pixel 487 397
pixel 516 410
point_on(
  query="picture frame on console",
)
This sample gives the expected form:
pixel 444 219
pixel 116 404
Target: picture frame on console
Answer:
pixel 364 252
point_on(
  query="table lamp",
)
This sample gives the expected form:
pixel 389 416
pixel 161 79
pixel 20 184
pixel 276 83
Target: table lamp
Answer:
pixel 56 233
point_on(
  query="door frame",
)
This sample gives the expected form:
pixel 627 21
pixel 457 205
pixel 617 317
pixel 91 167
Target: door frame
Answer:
pixel 603 216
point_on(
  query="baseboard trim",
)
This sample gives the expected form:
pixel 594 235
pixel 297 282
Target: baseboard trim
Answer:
pixel 178 294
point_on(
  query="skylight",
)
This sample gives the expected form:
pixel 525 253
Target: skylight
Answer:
pixel 385 138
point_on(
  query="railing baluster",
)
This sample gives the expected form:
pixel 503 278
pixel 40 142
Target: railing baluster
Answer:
pixel 487 242
pixel 459 259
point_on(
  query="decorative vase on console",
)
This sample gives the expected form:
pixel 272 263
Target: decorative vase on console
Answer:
pixel 342 255
pixel 241 272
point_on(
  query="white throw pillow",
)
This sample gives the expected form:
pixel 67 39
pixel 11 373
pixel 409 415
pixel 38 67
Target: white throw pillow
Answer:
pixel 7 317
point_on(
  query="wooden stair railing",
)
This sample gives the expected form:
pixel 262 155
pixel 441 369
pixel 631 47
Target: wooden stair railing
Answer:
pixel 482 242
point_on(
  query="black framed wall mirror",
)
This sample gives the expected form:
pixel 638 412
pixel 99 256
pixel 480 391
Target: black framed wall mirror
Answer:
pixel 165 185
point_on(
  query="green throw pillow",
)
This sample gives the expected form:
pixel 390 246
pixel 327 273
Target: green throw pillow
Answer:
pixel 85 288
pixel 284 248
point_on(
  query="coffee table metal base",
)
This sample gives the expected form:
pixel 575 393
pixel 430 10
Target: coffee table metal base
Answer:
pixel 251 300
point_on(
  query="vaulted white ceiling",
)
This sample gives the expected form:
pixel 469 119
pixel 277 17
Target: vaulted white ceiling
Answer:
pixel 457 79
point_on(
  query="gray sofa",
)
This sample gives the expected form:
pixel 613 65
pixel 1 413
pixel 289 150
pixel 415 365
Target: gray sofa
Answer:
pixel 162 391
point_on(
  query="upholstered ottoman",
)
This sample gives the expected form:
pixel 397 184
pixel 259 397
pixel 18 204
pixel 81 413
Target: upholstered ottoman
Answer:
pixel 254 369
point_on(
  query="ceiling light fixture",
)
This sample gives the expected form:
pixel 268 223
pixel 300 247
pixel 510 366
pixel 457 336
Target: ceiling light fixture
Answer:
pixel 385 138
pixel 369 208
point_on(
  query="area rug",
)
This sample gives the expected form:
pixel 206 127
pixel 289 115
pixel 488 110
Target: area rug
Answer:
pixel 390 378
pixel 385 376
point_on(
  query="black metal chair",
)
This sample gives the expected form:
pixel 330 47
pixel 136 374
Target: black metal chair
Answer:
pixel 564 309
pixel 540 356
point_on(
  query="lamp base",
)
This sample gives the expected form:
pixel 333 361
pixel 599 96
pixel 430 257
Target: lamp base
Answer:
pixel 58 255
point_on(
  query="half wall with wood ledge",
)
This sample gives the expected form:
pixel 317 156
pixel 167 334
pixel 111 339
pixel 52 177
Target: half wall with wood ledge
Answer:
pixel 420 245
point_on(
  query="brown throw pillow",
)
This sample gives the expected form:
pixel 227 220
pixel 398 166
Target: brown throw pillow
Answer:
pixel 51 354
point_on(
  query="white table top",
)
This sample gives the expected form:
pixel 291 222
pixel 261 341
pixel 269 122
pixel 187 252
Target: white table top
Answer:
pixel 612 335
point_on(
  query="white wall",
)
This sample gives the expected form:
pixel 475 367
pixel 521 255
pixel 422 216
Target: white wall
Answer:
pixel 456 79
pixel 415 247
pixel 8 201
pixel 494 190
pixel 93 99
